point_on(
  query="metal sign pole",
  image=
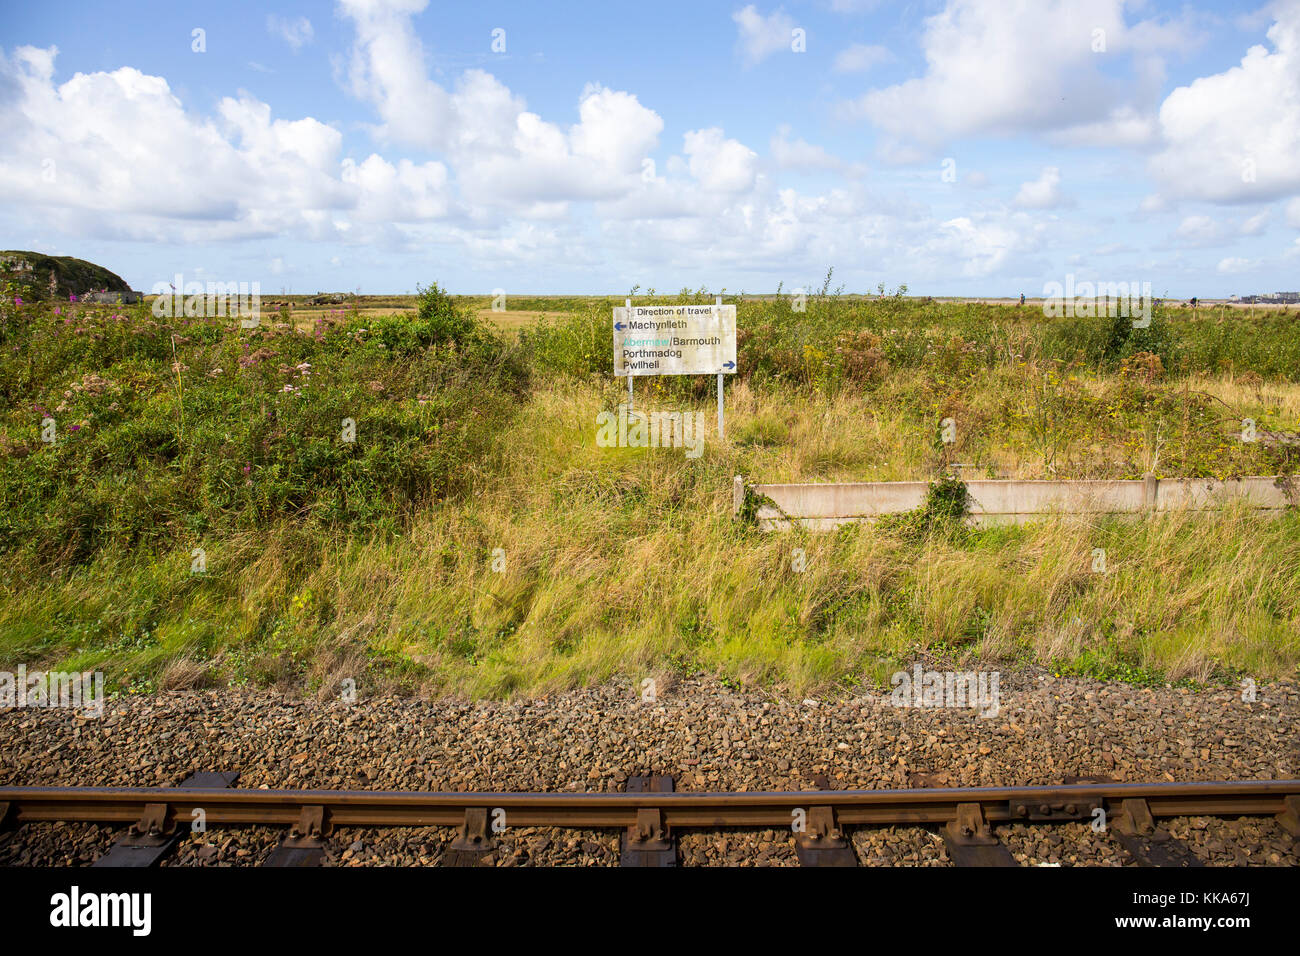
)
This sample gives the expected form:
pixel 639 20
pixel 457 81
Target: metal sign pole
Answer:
pixel 628 317
pixel 717 314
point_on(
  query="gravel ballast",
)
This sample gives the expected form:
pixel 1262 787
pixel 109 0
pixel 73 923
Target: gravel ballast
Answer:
pixel 708 736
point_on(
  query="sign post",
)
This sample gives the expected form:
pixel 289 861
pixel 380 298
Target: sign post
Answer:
pixel 717 307
pixel 675 340
pixel 628 306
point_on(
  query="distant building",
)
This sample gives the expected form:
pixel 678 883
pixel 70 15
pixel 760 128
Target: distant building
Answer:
pixel 1277 298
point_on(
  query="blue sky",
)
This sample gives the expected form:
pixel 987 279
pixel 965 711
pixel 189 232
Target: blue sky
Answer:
pixel 962 147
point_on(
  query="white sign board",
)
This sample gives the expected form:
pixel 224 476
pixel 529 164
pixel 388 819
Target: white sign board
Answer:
pixel 675 340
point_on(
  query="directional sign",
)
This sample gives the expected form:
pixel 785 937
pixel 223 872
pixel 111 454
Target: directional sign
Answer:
pixel 675 340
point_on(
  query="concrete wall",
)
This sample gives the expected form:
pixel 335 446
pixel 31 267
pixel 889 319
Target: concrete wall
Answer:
pixel 825 506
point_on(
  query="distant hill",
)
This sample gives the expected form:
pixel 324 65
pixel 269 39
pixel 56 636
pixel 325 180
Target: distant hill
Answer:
pixel 58 277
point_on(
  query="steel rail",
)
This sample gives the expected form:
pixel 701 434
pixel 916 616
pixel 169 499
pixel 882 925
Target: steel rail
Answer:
pixel 364 808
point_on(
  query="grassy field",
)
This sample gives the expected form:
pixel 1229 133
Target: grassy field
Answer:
pixel 200 519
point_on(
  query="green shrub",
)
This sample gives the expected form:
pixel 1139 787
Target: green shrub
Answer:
pixel 238 428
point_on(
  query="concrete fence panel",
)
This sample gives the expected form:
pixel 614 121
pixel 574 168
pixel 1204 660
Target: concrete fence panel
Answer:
pixel 825 506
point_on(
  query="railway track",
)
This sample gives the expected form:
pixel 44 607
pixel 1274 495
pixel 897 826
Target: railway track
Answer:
pixel 650 814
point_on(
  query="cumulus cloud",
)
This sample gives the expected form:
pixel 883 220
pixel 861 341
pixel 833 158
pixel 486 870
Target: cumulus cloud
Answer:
pixel 504 153
pixel 1122 126
pixel 480 174
pixel 1043 192
pixel 1235 136
pixel 1200 231
pixel 1003 68
pixel 1235 264
pixel 973 249
pixel 790 153
pixel 718 163
pixel 396 193
pixel 240 173
pixel 388 69
pixel 522 158
pixel 761 36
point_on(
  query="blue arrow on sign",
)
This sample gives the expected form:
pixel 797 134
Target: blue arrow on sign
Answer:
pixel 619 326
pixel 728 364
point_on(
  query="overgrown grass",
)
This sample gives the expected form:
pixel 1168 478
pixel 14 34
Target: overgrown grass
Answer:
pixel 475 540
pixel 123 431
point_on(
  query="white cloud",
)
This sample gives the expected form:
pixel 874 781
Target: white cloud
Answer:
pixel 720 164
pixel 504 155
pixel 861 57
pixel 598 158
pixel 1122 126
pixel 1235 136
pixel 790 153
pixel 1255 224
pixel 1200 231
pixel 400 193
pixel 1153 204
pixel 615 129
pixel 1007 68
pixel 241 173
pixel 1043 192
pixel 760 36
pixel 297 32
pixel 972 249
pixel 1234 264
pixel 486 178
pixel 388 69
pixel 1293 213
